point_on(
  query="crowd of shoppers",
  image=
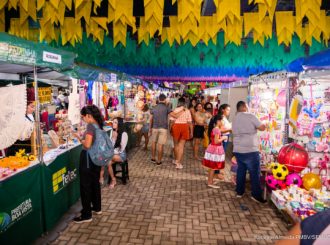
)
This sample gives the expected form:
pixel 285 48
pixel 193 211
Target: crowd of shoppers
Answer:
pixel 184 120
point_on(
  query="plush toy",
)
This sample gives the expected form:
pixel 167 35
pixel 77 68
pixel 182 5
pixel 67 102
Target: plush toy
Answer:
pixel 279 171
pixel 293 179
pixel 318 131
pixel 314 110
pixel 322 147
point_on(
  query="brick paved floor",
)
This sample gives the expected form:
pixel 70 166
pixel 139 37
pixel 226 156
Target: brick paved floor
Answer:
pixel 162 205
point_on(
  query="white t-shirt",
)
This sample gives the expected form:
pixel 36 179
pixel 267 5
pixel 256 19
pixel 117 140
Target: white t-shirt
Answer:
pixel 123 143
pixel 245 130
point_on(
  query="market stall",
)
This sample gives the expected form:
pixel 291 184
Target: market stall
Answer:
pixel 300 177
pixel 21 202
pixel 267 100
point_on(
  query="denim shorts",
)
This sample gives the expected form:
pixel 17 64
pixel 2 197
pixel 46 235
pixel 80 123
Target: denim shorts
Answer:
pixel 123 156
pixel 145 128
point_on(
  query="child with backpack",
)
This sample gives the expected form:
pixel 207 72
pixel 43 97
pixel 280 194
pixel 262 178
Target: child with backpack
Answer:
pixel 97 151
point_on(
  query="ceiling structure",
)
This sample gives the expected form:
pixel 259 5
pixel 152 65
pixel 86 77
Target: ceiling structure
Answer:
pixel 188 40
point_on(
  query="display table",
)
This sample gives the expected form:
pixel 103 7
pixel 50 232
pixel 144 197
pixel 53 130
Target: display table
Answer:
pixel 298 204
pixel 60 189
pixel 21 206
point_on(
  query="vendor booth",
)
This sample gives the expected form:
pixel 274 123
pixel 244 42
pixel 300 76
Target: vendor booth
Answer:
pixel 22 177
pixel 296 156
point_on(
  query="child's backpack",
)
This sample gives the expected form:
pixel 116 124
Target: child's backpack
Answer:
pixel 102 151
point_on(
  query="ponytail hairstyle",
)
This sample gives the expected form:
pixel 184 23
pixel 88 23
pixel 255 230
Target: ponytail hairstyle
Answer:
pixel 222 108
pixel 120 131
pixel 94 111
pixel 214 120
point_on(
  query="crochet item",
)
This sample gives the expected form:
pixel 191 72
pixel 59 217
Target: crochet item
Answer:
pixel 12 116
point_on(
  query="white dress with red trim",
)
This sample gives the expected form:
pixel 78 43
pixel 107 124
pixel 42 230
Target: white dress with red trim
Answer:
pixel 214 157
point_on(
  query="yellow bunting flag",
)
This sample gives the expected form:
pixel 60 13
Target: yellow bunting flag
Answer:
pixel 83 10
pixel 234 31
pixel 40 4
pixel 31 11
pixel 2 20
pixel 111 10
pixel 285 26
pixel 3 3
pixel 143 33
pixel 71 31
pixel 119 33
pixel 172 33
pixel 18 29
pixel 153 12
pixel 48 31
pixel 229 9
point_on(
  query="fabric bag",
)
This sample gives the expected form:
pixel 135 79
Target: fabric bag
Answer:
pixel 102 150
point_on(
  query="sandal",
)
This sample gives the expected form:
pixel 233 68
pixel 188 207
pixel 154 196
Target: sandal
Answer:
pixel 113 184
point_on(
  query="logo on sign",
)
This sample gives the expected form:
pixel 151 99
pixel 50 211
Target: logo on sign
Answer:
pixel 19 212
pixel 52 58
pixel 62 178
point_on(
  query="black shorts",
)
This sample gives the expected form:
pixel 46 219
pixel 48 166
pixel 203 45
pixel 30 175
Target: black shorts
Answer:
pixel 199 132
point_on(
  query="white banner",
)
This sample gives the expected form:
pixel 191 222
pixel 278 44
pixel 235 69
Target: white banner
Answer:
pixel 51 57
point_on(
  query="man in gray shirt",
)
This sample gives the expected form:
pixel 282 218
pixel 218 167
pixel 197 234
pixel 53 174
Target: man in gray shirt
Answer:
pixel 159 127
pixel 246 150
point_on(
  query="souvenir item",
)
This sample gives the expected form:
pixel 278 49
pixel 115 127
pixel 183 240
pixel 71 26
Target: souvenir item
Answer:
pixel 294 156
pixel 279 171
pixel 311 181
pixel 293 179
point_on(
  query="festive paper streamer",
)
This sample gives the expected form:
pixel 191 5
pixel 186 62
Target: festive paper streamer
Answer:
pixel 193 79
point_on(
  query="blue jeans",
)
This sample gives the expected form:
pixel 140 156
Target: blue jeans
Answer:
pixel 251 162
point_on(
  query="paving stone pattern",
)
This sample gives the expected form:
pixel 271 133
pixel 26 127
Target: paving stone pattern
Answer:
pixel 162 205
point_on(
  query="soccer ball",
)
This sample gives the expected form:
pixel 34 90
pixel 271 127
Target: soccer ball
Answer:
pixel 274 183
pixel 279 171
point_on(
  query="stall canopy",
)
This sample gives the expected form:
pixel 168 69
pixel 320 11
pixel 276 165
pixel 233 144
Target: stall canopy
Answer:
pixel 18 55
pixel 318 61
pixel 87 72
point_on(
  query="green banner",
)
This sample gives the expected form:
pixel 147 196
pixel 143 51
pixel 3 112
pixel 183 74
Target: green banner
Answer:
pixel 20 207
pixel 60 186
pixel 16 50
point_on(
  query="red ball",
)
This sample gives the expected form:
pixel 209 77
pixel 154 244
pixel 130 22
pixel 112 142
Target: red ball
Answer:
pixel 294 156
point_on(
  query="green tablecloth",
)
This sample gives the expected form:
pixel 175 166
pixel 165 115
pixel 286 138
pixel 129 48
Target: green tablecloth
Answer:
pixel 60 187
pixel 21 207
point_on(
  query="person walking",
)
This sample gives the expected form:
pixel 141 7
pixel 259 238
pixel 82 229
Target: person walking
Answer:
pixel 90 188
pixel 182 131
pixel 158 128
pixel 245 127
pixel 200 118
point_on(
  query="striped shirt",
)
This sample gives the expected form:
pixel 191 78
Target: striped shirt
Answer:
pixel 184 117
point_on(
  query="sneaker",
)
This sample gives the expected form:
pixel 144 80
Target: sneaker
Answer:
pixel 214 186
pixel 259 200
pixel 79 220
pixel 97 212
pixel 239 196
pixel 179 166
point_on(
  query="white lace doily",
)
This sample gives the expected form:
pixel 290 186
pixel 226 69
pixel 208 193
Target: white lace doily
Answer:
pixel 12 113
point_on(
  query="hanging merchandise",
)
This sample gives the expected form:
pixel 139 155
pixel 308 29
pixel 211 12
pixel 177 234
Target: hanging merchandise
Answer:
pixel 12 118
pixel 74 105
pixel 267 101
